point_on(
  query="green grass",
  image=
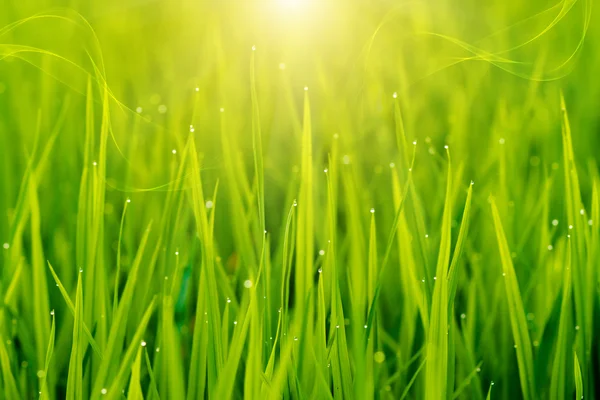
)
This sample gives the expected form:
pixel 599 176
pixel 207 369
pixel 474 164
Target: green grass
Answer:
pixel 311 199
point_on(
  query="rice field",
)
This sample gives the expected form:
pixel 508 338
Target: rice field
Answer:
pixel 299 199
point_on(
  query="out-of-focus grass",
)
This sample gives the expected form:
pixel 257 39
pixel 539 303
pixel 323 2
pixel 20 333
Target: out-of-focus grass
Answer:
pixel 256 199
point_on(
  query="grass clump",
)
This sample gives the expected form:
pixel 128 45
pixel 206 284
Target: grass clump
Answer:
pixel 299 200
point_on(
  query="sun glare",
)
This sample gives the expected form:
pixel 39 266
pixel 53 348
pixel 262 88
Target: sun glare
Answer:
pixel 291 4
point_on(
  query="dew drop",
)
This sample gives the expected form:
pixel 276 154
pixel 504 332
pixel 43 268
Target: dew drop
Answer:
pixel 6 246
pixel 247 283
pixel 104 391
pixel 530 316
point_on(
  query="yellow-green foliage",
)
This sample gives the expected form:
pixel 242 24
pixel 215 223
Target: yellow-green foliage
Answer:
pixel 299 199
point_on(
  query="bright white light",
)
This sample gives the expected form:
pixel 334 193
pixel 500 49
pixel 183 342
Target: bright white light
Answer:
pixel 290 3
